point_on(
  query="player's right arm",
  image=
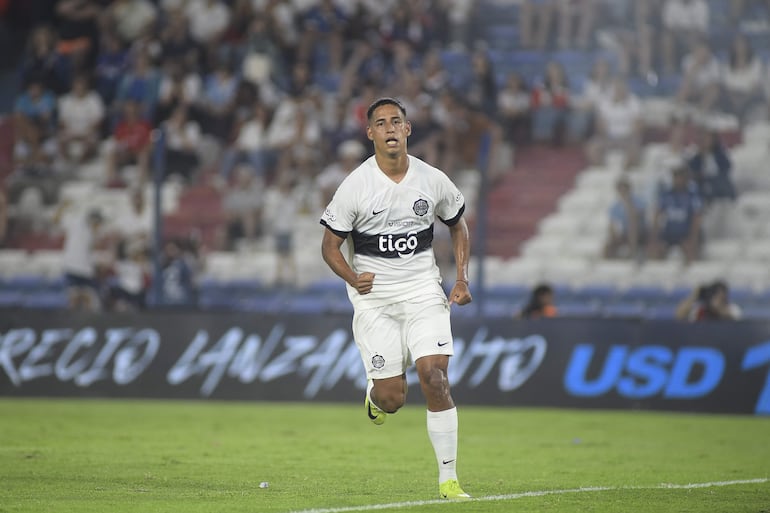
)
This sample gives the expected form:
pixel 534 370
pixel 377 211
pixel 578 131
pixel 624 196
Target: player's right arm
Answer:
pixel 332 255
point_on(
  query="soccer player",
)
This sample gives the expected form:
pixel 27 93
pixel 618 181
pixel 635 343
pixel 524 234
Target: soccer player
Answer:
pixel 385 208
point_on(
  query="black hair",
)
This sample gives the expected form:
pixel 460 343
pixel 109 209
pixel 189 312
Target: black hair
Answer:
pixel 387 100
pixel 535 304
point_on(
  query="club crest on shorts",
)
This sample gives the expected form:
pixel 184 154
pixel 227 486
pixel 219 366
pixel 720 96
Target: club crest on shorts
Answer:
pixel 420 207
pixel 378 362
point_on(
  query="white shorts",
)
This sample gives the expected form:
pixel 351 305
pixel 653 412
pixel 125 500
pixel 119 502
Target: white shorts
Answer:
pixel 392 337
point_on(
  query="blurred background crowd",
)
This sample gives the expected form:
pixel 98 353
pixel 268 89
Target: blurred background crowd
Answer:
pixel 624 144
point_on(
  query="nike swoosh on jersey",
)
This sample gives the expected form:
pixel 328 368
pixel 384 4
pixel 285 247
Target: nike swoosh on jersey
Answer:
pixel 377 212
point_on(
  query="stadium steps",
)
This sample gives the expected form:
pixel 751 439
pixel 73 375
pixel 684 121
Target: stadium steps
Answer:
pixel 528 194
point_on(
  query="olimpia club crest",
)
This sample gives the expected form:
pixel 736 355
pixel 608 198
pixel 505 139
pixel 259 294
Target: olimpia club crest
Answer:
pixel 420 207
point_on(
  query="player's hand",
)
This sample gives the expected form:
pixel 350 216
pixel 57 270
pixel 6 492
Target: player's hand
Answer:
pixel 363 283
pixel 460 294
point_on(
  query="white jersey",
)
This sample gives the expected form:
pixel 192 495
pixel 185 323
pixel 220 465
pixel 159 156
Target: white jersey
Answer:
pixel 389 228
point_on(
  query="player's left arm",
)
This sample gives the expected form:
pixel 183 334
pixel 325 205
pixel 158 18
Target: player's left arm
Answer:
pixel 461 246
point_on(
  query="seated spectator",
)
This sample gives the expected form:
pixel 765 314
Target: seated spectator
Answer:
pixel 208 20
pixel 183 138
pixel 597 88
pixel 627 230
pixel 684 22
pixel 540 304
pixel 513 106
pixel 678 219
pixel 130 18
pixel 481 92
pixel 742 81
pixel 178 87
pixel 81 113
pixel 323 26
pixel 250 146
pixel 709 303
pixel 242 205
pixel 41 62
pixel 77 22
pixel 134 226
pixel 36 105
pixel 34 154
pixel 112 62
pixel 550 105
pixel 217 101
pixel 131 144
pixel 140 85
pixel 711 167
pixel 618 127
pixel 700 78
pixel 4 231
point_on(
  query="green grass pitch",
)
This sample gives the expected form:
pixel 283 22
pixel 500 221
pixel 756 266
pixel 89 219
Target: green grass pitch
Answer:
pixel 125 456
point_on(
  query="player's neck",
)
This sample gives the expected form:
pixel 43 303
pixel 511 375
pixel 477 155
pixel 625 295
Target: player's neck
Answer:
pixel 394 167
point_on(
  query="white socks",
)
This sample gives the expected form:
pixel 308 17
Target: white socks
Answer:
pixel 442 430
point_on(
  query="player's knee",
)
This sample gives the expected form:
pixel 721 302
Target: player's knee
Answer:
pixel 436 379
pixel 390 401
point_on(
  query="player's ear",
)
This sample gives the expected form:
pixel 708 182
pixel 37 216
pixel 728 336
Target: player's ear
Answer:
pixel 369 133
pixel 408 128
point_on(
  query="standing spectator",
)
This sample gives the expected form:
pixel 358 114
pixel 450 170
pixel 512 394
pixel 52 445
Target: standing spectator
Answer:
pixel 678 219
pixel 81 233
pixel 279 216
pixel 128 286
pixel 242 205
pixel 481 93
pixel 618 126
pixel 711 168
pixel 535 22
pixel 540 304
pixel 324 26
pixel 513 105
pixel 576 23
pixel 709 303
pixel 77 23
pixel 700 78
pixel 684 23
pixel 81 112
pixel 627 230
pixel 131 139
pixel 183 138
pixel 550 105
pixel 177 277
pixel 741 80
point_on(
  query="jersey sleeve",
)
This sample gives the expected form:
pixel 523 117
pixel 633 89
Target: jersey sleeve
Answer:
pixel 341 212
pixel 451 202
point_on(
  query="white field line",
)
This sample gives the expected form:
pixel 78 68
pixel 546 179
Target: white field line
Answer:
pixel 540 493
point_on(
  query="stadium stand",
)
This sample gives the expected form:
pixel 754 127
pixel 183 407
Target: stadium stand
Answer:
pixel 547 209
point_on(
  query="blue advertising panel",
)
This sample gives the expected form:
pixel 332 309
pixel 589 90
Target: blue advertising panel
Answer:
pixel 663 365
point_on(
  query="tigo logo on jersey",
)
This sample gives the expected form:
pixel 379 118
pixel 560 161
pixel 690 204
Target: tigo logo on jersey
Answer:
pixel 403 244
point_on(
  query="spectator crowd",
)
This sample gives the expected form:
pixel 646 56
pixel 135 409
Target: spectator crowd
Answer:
pixel 265 100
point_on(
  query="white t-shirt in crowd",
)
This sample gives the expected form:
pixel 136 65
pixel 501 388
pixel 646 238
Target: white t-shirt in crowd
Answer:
pixel 207 21
pixel 620 117
pixel 79 115
pixel 745 80
pixel 690 15
pixel 77 255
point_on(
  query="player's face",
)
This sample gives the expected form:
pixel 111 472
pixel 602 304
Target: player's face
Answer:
pixel 388 130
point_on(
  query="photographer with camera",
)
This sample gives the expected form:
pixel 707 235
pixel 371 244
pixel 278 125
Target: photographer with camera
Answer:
pixel 709 302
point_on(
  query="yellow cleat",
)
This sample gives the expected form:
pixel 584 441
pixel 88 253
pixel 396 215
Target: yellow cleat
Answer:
pixel 450 490
pixel 375 414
